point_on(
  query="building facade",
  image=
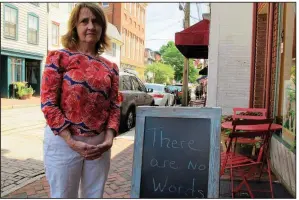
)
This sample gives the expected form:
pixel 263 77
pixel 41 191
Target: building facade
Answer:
pixel 59 14
pixel 23 44
pixel 229 55
pixel 129 18
pixel 114 53
pixel 252 63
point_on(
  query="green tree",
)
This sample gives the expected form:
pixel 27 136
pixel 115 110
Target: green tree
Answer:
pixel 161 73
pixel 173 57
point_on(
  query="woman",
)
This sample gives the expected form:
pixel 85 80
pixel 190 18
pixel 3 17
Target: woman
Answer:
pixel 79 101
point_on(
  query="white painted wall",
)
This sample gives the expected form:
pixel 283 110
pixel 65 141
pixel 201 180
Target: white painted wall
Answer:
pixel 116 58
pixel 59 15
pixel 21 43
pixel 229 55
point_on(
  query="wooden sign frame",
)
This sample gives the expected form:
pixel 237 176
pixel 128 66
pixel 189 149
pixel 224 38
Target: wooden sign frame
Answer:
pixel 214 114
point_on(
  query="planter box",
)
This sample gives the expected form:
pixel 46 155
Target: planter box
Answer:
pixel 283 163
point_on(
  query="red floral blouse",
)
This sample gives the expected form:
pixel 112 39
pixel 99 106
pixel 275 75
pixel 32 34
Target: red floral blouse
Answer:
pixel 89 90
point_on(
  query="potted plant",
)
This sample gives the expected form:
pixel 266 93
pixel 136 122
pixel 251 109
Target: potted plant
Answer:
pixel 30 92
pixel 22 93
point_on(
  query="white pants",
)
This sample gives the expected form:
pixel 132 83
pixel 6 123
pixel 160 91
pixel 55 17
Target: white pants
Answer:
pixel 69 174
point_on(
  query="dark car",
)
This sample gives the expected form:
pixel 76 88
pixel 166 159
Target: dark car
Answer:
pixel 132 93
pixel 177 90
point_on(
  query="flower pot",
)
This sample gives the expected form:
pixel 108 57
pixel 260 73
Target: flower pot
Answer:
pixel 29 96
pixel 23 97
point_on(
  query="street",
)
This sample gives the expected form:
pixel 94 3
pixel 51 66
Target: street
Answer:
pixel 22 146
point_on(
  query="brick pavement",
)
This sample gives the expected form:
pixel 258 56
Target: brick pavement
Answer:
pixel 118 184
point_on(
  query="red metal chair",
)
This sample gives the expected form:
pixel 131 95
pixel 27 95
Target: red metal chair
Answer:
pixel 238 115
pixel 243 166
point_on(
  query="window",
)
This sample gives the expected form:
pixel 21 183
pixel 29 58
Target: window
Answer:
pixel 10 22
pixel 142 87
pixel 105 5
pixel 125 83
pixel 112 51
pixel 36 4
pixel 129 45
pixel 70 7
pixel 16 69
pixel 136 84
pixel 32 36
pixel 123 48
pixel 137 49
pixel 56 5
pixel 133 48
pixel 55 34
pixel 130 7
pixel 141 13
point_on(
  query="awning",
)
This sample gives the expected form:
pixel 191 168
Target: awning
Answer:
pixel 203 71
pixel 193 42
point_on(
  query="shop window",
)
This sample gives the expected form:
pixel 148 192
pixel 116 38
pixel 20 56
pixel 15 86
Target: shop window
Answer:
pixel 16 69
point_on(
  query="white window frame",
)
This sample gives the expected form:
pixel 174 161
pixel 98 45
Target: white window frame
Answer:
pixel 57 36
pixel 9 21
pixel 33 29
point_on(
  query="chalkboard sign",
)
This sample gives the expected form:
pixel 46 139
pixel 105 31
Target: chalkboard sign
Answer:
pixel 176 153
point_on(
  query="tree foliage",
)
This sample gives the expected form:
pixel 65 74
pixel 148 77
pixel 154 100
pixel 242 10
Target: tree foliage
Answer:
pixel 161 73
pixel 173 57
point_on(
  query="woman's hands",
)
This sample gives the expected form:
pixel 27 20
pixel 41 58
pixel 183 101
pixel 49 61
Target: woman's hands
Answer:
pixel 78 146
pixel 97 152
pixel 89 152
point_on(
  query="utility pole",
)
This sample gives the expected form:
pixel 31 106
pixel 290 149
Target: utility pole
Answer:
pixel 186 60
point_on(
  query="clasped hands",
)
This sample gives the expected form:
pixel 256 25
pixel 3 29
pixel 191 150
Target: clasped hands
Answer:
pixel 90 152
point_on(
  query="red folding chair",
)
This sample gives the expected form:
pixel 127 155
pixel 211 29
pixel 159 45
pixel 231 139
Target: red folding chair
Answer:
pixel 238 115
pixel 243 166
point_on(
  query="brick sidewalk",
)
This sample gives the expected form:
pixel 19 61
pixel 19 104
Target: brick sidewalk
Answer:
pixel 17 103
pixel 118 184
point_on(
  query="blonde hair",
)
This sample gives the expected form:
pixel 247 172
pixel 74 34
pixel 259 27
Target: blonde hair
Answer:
pixel 70 39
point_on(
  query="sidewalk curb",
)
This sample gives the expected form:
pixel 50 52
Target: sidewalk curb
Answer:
pixel 18 106
pixel 22 185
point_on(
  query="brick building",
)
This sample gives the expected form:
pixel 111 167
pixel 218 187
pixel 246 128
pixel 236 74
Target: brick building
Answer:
pixel 129 18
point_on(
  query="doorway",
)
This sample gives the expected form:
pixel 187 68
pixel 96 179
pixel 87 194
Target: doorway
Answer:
pixel 32 69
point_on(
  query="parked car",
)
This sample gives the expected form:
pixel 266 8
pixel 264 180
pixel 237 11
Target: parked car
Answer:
pixel 177 91
pixel 160 94
pixel 132 93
